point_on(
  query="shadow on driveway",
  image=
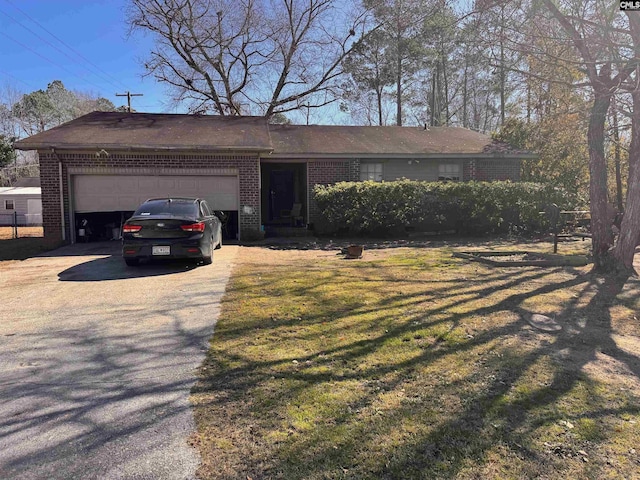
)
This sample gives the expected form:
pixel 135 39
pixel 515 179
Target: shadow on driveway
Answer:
pixel 90 403
pixel 95 381
pixel 114 268
pixel 84 249
pixel 109 264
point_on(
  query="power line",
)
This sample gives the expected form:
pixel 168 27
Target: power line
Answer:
pixel 53 46
pixel 49 60
pixel 18 79
pixel 71 49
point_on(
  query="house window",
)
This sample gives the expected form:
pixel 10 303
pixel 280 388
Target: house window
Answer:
pixel 8 205
pixel 371 171
pixel 449 172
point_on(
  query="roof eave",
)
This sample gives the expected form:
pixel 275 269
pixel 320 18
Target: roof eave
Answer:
pixel 137 147
pixel 388 156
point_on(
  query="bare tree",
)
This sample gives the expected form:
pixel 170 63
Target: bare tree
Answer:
pixel 248 56
pixel 9 96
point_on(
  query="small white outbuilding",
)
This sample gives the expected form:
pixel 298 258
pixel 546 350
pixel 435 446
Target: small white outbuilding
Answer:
pixel 23 204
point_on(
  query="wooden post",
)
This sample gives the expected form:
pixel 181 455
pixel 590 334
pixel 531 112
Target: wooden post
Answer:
pixel 128 94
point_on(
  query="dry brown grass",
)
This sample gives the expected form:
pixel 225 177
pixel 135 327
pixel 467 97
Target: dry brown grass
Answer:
pixel 412 364
pixel 7 233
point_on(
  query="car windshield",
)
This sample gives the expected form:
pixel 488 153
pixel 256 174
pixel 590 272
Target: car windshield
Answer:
pixel 165 207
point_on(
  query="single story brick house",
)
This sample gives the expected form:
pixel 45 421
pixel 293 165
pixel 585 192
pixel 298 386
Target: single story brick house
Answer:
pixel 101 166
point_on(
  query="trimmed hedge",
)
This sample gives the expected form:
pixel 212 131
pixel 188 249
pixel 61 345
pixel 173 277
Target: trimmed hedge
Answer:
pixel 471 208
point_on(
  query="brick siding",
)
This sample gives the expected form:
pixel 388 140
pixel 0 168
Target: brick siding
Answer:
pixel 326 173
pixel 50 188
pixel 246 164
pixel 494 169
pixel 319 173
pixel 468 170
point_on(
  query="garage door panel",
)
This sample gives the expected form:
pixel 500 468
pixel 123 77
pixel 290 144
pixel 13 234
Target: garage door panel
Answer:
pixel 167 184
pixel 126 185
pixel 223 187
pixel 108 193
pixel 146 184
pixel 188 184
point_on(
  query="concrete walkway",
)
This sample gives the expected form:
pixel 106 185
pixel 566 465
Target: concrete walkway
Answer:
pixel 97 361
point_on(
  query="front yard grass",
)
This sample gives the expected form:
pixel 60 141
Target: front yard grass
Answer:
pixel 412 364
pixel 23 248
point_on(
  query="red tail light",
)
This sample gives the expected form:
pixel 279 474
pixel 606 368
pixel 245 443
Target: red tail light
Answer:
pixel 194 227
pixel 131 228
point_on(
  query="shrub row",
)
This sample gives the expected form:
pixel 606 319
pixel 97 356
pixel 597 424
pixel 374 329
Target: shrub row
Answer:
pixel 472 208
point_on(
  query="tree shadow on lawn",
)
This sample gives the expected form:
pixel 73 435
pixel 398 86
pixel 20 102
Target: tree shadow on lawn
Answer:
pixel 494 393
pixel 456 440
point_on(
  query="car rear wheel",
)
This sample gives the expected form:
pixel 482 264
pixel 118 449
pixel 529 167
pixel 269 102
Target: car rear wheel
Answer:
pixel 132 262
pixel 207 259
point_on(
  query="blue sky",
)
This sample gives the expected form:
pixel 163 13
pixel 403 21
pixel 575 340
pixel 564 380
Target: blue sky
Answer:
pixel 95 30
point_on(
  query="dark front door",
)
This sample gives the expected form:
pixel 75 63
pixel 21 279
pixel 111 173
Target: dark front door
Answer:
pixel 281 193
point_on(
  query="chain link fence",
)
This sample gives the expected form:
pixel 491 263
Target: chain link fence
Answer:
pixel 17 225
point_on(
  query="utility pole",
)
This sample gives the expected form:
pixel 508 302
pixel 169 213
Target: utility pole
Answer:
pixel 129 95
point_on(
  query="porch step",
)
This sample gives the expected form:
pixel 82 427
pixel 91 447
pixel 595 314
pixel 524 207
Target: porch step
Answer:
pixel 272 231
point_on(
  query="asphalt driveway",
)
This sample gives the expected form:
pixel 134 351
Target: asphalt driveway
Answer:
pixel 97 361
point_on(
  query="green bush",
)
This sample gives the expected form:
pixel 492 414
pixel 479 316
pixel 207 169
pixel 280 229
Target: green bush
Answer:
pixel 472 208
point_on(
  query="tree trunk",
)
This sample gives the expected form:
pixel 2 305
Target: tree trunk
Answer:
pixel 399 95
pixel 465 121
pixel 379 100
pixel 624 250
pixel 433 100
pixel 617 154
pixel 445 89
pixel 600 228
pixel 502 83
pixel 399 78
pixel 528 102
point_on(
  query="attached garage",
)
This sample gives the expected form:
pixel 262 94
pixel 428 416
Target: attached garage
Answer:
pixel 122 192
pixel 108 193
pixel 100 167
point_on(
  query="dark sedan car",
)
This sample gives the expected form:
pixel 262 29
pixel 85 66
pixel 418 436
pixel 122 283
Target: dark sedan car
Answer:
pixel 171 228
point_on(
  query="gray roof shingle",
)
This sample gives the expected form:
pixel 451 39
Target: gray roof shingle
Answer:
pixel 152 131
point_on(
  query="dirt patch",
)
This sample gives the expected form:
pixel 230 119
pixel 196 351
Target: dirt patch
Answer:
pixel 523 259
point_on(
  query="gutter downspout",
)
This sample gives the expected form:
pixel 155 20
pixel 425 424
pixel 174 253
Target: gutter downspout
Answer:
pixel 64 228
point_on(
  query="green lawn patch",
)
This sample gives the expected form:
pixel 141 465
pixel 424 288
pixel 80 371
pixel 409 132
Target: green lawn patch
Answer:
pixel 414 364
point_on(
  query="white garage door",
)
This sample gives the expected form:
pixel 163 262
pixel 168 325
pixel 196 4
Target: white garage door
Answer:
pixel 110 193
